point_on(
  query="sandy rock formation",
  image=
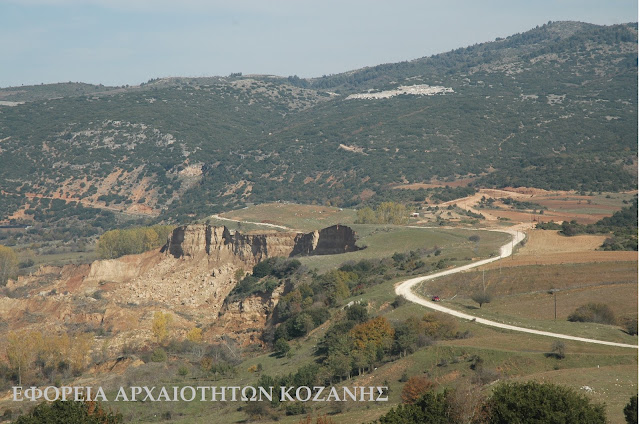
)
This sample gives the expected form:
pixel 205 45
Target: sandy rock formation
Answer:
pixel 191 276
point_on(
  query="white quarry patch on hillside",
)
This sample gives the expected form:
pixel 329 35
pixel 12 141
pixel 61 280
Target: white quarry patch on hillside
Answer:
pixel 416 90
pixel 7 103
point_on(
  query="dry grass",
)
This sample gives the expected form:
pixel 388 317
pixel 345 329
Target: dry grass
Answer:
pixel 612 385
pixel 299 217
pixel 544 247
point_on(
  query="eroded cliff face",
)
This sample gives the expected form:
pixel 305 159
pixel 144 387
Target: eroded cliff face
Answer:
pixel 190 277
pixel 328 241
pixel 219 242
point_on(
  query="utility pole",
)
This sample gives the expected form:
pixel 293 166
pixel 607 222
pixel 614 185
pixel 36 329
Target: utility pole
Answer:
pixel 555 303
pixel 484 289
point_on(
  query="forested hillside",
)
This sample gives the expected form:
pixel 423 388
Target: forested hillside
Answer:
pixel 553 108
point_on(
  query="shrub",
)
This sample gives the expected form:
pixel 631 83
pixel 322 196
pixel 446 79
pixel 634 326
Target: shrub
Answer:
pixel 296 408
pixel 398 301
pixel 631 326
pixel 281 347
pixel 183 371
pixel 64 412
pixel 431 408
pixel 533 402
pixel 593 312
pixel 415 388
pixel 158 355
pixel 631 410
pixel 558 349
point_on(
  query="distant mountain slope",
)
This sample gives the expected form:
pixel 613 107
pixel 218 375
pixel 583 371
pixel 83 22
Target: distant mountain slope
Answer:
pixel 555 107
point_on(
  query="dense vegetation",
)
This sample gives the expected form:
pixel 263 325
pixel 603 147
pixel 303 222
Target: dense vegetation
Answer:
pixel 356 341
pixel 555 108
pixel 116 243
pixel 70 412
pixel 509 403
pixel 384 213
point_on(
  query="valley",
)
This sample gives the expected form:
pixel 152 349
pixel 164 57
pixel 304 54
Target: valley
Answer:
pixel 444 227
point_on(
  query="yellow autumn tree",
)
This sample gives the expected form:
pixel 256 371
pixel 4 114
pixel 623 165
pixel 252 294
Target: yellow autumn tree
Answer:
pixel 55 349
pixel 195 335
pixel 370 340
pixel 22 350
pixel 79 352
pixel 160 325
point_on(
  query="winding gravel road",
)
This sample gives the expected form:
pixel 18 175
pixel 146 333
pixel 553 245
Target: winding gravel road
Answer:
pixel 405 289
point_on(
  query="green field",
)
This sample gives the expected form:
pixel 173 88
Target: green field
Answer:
pixel 384 241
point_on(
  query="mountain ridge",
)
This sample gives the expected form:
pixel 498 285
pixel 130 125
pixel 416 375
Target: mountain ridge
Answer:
pixel 553 108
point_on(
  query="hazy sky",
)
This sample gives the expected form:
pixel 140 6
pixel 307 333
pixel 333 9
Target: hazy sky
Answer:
pixel 117 42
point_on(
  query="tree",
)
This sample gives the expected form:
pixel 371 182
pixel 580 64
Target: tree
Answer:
pixel 281 347
pixel 366 216
pixel 465 403
pixel 70 412
pixel 195 335
pixel 415 388
pixel 406 339
pixel 160 325
pixel 8 264
pixel 377 332
pixel 339 364
pixel 481 297
pixel 593 312
pixel 558 349
pixel 22 350
pixel 431 408
pixel 631 410
pixel 370 340
pixel 357 312
pixel 79 351
pixel 533 402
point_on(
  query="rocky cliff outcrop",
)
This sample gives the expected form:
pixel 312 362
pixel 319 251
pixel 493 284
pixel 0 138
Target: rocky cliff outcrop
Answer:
pixel 191 276
pixel 224 245
pixel 328 241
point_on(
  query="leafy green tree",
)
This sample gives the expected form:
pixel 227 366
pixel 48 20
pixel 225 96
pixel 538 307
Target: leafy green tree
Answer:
pixel 281 347
pixel 357 312
pixel 431 408
pixel 533 402
pixel 405 339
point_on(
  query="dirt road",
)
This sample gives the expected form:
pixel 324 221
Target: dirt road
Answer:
pixel 405 289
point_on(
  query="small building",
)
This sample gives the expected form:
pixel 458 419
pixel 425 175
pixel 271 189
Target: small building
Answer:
pixel 415 215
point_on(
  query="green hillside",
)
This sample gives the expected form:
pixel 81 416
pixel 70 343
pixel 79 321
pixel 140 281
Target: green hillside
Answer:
pixel 553 108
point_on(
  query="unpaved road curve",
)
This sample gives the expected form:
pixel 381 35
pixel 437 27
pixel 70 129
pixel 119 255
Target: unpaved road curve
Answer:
pixel 265 224
pixel 405 289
